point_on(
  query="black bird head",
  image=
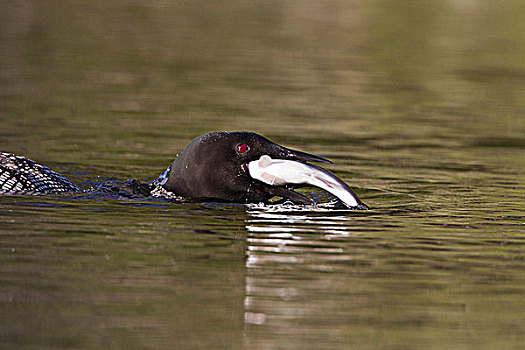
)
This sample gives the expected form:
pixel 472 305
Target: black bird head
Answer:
pixel 227 166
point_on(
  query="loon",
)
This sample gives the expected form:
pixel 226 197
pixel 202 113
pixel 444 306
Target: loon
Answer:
pixel 238 167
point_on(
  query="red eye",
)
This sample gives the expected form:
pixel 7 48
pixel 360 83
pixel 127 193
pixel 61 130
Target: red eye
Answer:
pixel 242 148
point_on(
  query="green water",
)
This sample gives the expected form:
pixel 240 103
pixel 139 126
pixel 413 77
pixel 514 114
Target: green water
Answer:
pixel 420 104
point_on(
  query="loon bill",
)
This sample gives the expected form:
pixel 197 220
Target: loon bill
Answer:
pixel 241 167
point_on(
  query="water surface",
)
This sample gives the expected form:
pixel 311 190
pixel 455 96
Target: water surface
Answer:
pixel 420 105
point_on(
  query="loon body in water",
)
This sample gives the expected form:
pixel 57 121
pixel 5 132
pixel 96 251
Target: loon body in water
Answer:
pixel 19 175
pixel 240 167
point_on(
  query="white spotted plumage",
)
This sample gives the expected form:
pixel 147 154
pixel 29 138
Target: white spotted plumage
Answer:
pixel 22 175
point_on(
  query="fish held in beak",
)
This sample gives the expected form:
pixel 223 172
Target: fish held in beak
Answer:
pixel 281 172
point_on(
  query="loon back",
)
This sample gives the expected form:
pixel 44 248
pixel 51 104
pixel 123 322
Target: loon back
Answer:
pixel 19 175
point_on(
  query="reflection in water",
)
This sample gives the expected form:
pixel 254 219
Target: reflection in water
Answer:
pixel 280 229
pixel 291 253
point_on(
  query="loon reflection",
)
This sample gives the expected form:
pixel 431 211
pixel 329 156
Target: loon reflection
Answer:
pixel 284 244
